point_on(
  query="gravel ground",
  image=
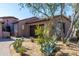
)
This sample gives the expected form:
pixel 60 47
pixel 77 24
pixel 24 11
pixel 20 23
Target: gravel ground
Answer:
pixel 33 49
pixel 70 49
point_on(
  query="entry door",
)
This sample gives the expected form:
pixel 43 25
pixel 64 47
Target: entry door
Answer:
pixel 32 30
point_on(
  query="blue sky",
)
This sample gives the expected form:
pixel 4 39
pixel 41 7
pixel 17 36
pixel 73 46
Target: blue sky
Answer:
pixel 13 9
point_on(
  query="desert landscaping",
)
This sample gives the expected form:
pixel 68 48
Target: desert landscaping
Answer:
pixel 33 49
pixel 52 30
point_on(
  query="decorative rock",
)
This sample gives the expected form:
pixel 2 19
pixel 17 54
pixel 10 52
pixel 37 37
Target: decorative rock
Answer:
pixel 59 53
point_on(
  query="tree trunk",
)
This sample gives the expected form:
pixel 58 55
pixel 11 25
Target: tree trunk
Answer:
pixel 62 34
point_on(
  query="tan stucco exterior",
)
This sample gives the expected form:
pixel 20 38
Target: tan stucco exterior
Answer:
pixel 22 27
pixel 1 29
pixel 4 21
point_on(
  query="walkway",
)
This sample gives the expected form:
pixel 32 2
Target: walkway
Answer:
pixel 4 47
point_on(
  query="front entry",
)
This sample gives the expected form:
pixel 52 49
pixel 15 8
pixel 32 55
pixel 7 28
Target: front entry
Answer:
pixel 6 28
pixel 32 30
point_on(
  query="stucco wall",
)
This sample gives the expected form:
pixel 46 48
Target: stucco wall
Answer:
pixel 10 21
pixel 27 32
pixel 24 26
pixel 16 29
pixel 64 20
pixel 0 30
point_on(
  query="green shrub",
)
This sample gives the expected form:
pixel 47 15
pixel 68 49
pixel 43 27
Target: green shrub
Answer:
pixel 17 43
pixel 39 31
pixel 39 40
pixel 48 43
pixel 21 50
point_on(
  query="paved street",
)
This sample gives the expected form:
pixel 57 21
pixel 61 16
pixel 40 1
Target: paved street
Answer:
pixel 4 47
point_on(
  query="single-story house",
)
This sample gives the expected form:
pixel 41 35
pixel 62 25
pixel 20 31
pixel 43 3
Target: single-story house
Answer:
pixel 26 27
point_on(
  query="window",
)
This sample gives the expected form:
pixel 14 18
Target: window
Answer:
pixel 15 27
pixel 22 27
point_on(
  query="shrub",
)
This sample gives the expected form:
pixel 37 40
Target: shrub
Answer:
pixel 18 46
pixel 48 43
pixel 39 31
pixel 17 43
pixel 39 40
pixel 21 50
pixel 49 46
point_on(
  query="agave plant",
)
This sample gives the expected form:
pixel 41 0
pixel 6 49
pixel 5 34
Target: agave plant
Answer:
pixel 49 46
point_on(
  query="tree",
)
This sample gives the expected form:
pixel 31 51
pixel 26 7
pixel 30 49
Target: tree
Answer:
pixel 49 9
pixel 45 10
pixel 74 19
pixel 62 6
pixel 41 9
pixel 77 25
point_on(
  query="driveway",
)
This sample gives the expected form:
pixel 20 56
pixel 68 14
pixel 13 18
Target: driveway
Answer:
pixel 4 46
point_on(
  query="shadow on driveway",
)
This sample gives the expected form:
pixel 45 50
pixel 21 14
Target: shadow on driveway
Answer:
pixel 5 39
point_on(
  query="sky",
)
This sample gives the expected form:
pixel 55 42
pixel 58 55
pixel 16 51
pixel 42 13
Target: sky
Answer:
pixel 13 9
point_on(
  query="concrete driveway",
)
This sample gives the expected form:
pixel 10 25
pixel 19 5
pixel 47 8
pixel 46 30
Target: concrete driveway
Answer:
pixel 4 46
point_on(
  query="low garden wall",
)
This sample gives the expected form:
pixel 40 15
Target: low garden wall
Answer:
pixel 6 34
